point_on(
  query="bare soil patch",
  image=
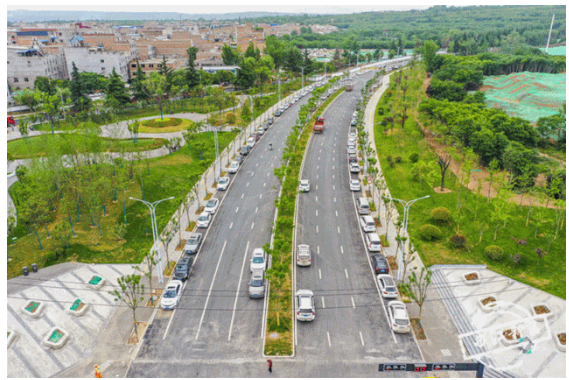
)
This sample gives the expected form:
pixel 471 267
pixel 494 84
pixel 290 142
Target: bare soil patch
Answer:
pixel 137 334
pixel 471 277
pixel 418 329
pixel 561 337
pixel 442 191
pixel 509 334
pixel 541 309
pixel 488 300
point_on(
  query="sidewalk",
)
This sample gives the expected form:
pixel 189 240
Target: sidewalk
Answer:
pixel 451 309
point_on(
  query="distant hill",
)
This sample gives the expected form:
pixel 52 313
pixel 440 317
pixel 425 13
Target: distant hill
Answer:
pixel 42 16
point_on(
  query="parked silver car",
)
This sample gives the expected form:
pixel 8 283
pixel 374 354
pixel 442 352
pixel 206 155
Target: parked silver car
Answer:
pixel 305 307
pixel 257 284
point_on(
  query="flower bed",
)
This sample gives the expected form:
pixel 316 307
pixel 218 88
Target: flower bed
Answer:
pixel 540 312
pixel 56 338
pixel 471 278
pixel 510 336
pixel 33 309
pixel 559 337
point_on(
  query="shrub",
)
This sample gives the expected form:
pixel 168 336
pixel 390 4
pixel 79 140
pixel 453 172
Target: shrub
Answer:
pixel 430 232
pixel 517 259
pixel 380 111
pixel 384 241
pixel 157 123
pixel 398 159
pixel 458 241
pixel 388 158
pixel 414 157
pixel 391 164
pixel 494 252
pixel 231 118
pixel 50 257
pixel 441 215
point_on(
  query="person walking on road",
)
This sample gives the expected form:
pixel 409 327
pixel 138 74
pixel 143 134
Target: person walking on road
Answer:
pixel 270 365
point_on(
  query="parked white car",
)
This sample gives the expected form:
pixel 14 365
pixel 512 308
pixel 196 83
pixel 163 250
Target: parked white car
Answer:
pixel 223 183
pixel 355 185
pixel 251 142
pixel 367 223
pixel 373 242
pixel 387 286
pixel 233 167
pixel 261 131
pixel 203 220
pixel 259 259
pixel 171 295
pixel 398 317
pixel 354 167
pixel 211 205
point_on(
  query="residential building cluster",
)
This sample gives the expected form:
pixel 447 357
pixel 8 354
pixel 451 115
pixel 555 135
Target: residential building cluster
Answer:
pixel 50 50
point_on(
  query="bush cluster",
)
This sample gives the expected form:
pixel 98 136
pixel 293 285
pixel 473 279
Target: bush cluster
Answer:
pixel 441 215
pixel 494 252
pixel 430 232
pixel 414 157
pixel 458 241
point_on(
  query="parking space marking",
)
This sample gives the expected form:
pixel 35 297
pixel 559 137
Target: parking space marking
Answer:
pixel 253 225
pixel 237 293
pixel 319 274
pixel 346 271
pixel 231 225
pixel 362 338
pixel 329 342
pixel 353 303
pixel 323 303
pixel 210 289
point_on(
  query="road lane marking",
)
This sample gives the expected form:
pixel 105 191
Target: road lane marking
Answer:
pixel 316 212
pixel 318 158
pixel 317 166
pixel 342 248
pixel 257 164
pixel 210 289
pixel 334 199
pixel 333 187
pixel 319 274
pixel 316 229
pixel 346 271
pixel 323 303
pixel 333 176
pixel 247 183
pixel 353 303
pixel 336 212
pixel 252 174
pixel 260 196
pixel 333 167
pixel 256 209
pixel 237 209
pixel 329 342
pixel 316 187
pixel 338 229
pixel 318 249
pixel 237 293
pixel 316 176
pixel 362 338
pixel 242 195
pixel 231 225
pixel 316 198
pixel 253 225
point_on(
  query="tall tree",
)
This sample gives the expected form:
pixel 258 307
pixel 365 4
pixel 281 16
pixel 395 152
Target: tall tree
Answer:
pixel 131 293
pixel 229 55
pixel 192 76
pixel 78 93
pixel 117 95
pixel 138 88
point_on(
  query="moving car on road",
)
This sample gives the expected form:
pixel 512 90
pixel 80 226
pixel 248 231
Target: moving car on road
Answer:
pixel 387 286
pixel 259 260
pixel 223 183
pixel 304 186
pixel 193 244
pixel 257 284
pixel 303 255
pixel 171 295
pixel 211 205
pixel 304 303
pixel 203 220
pixel 398 317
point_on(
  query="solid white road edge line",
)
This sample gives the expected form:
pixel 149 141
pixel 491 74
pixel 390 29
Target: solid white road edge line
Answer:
pixel 237 293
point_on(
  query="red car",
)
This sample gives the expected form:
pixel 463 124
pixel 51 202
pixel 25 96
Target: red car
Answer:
pixel 11 121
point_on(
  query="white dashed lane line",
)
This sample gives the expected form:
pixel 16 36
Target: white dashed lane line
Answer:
pixel 342 248
pixel 353 303
pixel 323 303
pixel 237 209
pixel 253 225
pixel 329 342
pixel 319 274
pixel 316 229
pixel 346 271
pixel 231 225
pixel 318 249
pixel 256 209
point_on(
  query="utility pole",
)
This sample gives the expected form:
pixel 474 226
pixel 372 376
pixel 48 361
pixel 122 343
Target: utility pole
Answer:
pixel 549 36
pixel 251 125
pixel 279 91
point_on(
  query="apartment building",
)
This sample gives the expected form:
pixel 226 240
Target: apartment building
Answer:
pixel 26 64
pixel 98 60
pixel 155 64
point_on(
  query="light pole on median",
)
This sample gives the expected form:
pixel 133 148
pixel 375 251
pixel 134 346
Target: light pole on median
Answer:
pixel 302 68
pixel 406 206
pixel 152 208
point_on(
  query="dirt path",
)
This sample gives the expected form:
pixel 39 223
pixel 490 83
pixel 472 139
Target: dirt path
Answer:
pixel 477 177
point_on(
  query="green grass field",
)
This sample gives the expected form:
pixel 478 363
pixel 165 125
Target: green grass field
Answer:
pixel 170 175
pixel 42 145
pixel 548 274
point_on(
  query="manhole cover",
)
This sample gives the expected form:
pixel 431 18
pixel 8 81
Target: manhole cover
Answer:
pixel 274 335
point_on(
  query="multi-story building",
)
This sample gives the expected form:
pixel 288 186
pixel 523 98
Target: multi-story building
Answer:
pixel 155 64
pixel 98 60
pixel 26 64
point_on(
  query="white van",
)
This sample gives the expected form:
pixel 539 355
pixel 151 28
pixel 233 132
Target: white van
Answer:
pixel 363 206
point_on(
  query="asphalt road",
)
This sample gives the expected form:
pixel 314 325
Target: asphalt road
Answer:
pixel 351 321
pixel 215 317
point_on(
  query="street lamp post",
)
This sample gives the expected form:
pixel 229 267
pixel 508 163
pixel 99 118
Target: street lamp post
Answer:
pixel 302 68
pixel 406 206
pixel 251 124
pixel 152 208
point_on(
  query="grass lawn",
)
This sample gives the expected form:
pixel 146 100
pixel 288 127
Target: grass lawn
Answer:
pixel 548 274
pixel 170 175
pixel 42 145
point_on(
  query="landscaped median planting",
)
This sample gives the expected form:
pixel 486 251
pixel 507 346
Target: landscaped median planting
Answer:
pixel 166 125
pixel 279 327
